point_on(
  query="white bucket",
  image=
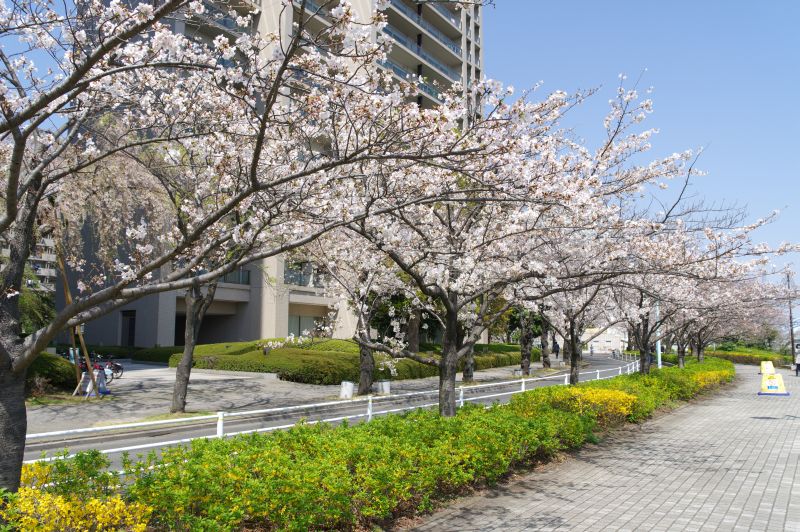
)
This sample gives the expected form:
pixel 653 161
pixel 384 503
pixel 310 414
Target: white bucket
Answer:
pixel 347 390
pixel 384 387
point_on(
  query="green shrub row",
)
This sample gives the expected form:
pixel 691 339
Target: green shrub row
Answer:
pixel 751 358
pixel 312 364
pixel 321 477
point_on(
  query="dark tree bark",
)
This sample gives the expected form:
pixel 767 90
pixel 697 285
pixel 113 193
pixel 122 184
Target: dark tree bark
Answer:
pixel 366 362
pixel 13 419
pixel 13 416
pixel 448 365
pixel 197 304
pixel 545 338
pixel 469 365
pixel 414 322
pixel 526 342
pixel 572 344
pixel 681 354
pixel 468 374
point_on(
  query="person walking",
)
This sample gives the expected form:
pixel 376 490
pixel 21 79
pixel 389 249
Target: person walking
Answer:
pixel 797 365
pixel 556 348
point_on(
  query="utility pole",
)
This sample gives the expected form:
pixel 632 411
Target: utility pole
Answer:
pixel 791 319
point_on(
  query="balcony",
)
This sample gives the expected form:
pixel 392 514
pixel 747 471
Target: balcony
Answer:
pixel 405 75
pixel 219 19
pixel 451 17
pixel 449 43
pixel 303 274
pixel 45 272
pixel 403 39
pixel 313 7
pixel 236 277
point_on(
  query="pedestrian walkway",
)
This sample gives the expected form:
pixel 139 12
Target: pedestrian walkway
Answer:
pixel 726 462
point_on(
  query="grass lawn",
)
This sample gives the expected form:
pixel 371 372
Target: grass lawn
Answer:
pixel 59 398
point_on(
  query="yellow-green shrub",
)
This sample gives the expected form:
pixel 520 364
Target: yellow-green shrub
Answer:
pixel 321 477
pixel 36 508
pixel 608 407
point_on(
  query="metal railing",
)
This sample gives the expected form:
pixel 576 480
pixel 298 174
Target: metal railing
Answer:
pixel 370 411
pixel 403 39
pixel 404 74
pixel 624 356
pixel 427 26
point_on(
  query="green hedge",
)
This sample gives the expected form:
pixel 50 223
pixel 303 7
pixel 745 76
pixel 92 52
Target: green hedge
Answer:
pixel 323 477
pixel 314 366
pixel 163 354
pixel 59 373
pixel 754 359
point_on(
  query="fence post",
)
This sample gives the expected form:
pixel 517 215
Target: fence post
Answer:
pixel 220 424
pixel 620 371
pixel 369 408
pixel 598 375
pixel 522 387
pixel 566 379
pixel 460 396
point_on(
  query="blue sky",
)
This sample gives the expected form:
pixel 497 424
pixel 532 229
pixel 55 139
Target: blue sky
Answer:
pixel 726 75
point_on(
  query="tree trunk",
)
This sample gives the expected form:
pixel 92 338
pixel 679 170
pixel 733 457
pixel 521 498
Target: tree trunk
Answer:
pixel 574 353
pixel 366 363
pixel 545 338
pixel 701 352
pixel 681 355
pixel 525 343
pixel 469 365
pixel 13 416
pixel 644 359
pixel 448 366
pixel 197 304
pixel 13 426
pixel 414 322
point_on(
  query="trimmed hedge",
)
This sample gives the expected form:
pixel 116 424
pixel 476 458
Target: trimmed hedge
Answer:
pixel 315 366
pixel 321 477
pixel 163 354
pixel 751 358
pixel 60 374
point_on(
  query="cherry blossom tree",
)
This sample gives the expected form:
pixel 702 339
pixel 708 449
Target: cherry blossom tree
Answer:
pixel 504 216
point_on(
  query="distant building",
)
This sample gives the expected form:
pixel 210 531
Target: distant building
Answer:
pixel 42 262
pixel 612 338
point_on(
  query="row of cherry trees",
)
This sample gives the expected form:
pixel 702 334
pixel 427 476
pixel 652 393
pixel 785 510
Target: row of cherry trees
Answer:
pixel 157 162
pixel 160 163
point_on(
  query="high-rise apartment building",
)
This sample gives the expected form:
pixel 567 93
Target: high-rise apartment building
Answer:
pixel 42 262
pixel 276 297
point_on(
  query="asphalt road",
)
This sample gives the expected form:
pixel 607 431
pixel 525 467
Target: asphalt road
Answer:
pixel 339 409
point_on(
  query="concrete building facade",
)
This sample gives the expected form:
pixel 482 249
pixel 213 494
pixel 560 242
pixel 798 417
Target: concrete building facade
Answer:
pixel 277 297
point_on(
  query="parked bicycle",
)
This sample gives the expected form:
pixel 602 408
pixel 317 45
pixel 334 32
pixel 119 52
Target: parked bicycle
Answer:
pixel 113 370
pixel 116 368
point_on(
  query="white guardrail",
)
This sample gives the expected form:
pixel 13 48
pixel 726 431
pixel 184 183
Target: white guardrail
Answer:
pixel 369 413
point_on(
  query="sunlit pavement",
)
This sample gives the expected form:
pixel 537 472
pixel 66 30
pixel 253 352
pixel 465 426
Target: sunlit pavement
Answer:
pixel 725 462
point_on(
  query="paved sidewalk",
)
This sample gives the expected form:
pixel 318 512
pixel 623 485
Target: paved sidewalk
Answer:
pixel 729 462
